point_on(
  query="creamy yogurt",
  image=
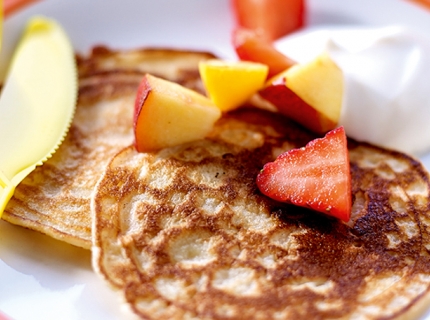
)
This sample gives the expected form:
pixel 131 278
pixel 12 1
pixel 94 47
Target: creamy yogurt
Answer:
pixel 386 81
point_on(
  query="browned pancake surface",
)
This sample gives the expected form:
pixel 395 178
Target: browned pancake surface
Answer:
pixel 55 198
pixel 185 234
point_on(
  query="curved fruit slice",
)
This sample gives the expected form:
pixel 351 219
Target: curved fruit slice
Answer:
pixel 37 102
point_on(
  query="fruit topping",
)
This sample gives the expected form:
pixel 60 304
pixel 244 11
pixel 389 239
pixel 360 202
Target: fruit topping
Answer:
pixel 316 176
pixel 250 46
pixel 230 84
pixel 309 93
pixel 271 18
pixel 167 114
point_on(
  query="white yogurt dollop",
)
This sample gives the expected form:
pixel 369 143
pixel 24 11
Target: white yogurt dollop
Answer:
pixel 386 81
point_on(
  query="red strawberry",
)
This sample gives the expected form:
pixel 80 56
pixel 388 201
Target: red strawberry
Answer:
pixel 316 176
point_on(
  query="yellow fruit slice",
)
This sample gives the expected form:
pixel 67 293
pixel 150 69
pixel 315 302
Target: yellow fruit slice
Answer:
pixel 37 102
pixel 230 84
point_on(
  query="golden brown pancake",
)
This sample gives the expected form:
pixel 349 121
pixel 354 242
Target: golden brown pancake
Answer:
pixel 184 233
pixel 55 198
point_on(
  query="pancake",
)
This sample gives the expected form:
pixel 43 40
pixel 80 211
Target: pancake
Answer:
pixel 184 233
pixel 55 198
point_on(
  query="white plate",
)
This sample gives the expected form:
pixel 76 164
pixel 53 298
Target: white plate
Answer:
pixel 41 278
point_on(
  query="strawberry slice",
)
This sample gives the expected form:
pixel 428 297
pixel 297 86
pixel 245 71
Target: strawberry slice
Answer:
pixel 316 176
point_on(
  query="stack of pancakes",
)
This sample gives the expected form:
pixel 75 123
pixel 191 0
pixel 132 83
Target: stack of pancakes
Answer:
pixel 184 233
pixel 55 198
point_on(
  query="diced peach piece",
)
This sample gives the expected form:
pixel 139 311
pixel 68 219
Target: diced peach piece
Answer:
pixel 291 105
pixel 167 114
pixel 251 46
pixel 310 93
pixel 230 84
